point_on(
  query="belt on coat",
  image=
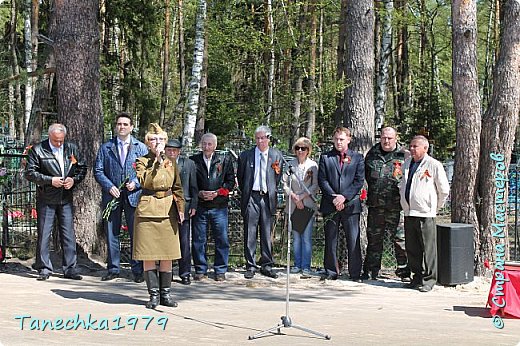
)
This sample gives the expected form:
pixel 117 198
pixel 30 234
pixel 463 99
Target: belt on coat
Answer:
pixel 158 194
pixel 261 193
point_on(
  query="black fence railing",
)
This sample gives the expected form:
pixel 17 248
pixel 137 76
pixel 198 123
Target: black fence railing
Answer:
pixel 18 218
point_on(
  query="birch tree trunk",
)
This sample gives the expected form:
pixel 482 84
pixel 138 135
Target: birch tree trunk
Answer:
pixel 196 72
pixel 466 103
pixel 359 71
pixel 76 48
pixel 384 61
pixel 499 126
pixel 203 95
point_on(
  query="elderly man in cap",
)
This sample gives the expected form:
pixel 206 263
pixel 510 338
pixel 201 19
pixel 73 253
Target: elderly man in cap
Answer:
pixel 187 172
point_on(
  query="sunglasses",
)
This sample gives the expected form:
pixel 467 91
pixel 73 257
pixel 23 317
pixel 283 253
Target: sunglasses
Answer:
pixel 297 148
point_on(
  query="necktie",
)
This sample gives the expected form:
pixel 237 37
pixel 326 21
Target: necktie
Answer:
pixel 122 153
pixel 341 159
pixel 261 173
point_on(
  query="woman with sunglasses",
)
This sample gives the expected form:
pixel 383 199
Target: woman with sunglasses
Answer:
pixel 157 217
pixel 301 187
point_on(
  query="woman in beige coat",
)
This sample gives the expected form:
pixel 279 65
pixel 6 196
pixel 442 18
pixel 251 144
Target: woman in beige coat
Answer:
pixel 157 217
pixel 301 187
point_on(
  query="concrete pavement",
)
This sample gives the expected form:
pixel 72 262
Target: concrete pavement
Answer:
pixel 227 313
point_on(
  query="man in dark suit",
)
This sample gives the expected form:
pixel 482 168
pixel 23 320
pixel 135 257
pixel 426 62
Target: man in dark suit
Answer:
pixel 340 177
pixel 187 172
pixel 56 167
pixel 114 164
pixel 259 173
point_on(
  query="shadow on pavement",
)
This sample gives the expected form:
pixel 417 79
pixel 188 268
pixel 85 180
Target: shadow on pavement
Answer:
pixel 103 297
pixel 473 311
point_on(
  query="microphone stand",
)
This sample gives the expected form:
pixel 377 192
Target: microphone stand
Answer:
pixel 286 320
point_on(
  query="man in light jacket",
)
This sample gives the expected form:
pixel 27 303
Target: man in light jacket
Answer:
pixel 423 190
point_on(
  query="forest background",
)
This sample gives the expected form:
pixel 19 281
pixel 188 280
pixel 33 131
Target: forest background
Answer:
pixel 448 70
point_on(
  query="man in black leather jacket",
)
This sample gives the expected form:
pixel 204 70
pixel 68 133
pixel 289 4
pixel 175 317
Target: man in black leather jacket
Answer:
pixel 56 167
pixel 215 179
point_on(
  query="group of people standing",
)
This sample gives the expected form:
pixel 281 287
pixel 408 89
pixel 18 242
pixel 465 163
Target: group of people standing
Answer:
pixel 166 197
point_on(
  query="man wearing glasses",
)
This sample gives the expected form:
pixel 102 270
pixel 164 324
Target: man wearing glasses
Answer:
pixel 113 166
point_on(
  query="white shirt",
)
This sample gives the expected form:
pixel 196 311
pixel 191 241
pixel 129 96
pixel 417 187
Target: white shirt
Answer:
pixel 256 184
pixel 58 153
pixel 207 161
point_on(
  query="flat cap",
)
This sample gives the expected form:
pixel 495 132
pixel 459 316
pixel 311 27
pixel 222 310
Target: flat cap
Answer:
pixel 174 143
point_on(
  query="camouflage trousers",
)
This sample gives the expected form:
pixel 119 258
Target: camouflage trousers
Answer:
pixel 381 220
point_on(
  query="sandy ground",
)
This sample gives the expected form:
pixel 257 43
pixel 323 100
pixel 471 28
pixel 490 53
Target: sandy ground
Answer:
pixel 228 313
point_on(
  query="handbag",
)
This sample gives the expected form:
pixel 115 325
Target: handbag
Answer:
pixel 300 218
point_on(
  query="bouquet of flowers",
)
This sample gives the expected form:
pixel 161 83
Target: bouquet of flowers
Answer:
pixel 114 202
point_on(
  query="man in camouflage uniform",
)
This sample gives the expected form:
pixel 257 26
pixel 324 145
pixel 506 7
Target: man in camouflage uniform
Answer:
pixel 383 173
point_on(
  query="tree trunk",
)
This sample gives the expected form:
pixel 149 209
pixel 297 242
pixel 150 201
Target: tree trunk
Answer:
pixel 182 48
pixel 489 59
pixel 196 72
pixel 16 98
pixel 269 31
pixel 499 127
pixel 311 81
pixel 76 48
pixel 359 95
pixel 341 62
pixel 402 71
pixel 384 61
pixel 42 96
pixel 466 103
pixel 203 95
pixel 166 63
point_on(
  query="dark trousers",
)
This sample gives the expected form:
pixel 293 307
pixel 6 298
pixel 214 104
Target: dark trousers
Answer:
pixel 350 224
pixel 184 239
pixel 113 230
pixel 258 217
pixel 46 215
pixel 421 248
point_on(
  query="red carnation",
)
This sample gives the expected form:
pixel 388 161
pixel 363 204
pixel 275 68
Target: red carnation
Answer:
pixel 223 192
pixel 363 195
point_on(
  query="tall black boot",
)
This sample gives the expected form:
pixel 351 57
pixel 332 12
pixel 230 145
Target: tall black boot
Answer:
pixel 152 282
pixel 165 279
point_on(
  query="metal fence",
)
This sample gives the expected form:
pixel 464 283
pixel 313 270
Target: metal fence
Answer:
pixel 18 205
pixel 19 219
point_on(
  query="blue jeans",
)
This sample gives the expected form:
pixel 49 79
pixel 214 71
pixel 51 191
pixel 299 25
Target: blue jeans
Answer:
pixel 302 245
pixel 217 219
pixel 112 231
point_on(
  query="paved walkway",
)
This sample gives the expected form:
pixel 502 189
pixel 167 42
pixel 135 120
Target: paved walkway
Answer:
pixel 227 313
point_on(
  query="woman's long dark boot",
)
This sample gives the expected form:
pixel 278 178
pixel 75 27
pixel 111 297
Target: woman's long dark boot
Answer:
pixel 152 282
pixel 165 279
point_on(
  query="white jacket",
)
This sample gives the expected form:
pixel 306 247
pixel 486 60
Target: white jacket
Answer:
pixel 429 188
